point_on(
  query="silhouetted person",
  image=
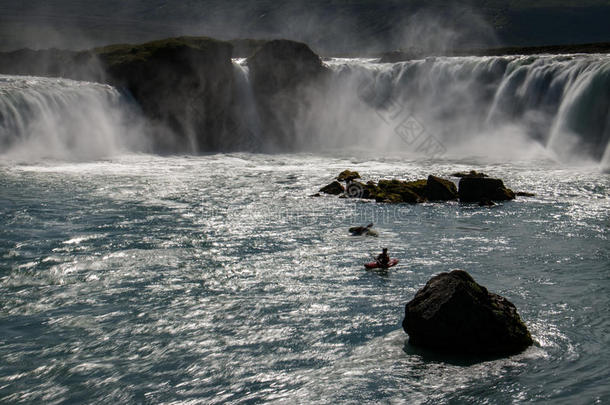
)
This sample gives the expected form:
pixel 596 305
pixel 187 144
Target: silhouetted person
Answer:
pixel 383 259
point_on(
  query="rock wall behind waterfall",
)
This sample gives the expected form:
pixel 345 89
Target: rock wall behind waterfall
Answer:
pixel 184 86
pixel 283 98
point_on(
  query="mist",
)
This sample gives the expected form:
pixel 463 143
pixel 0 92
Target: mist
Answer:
pixel 43 118
pixel 495 109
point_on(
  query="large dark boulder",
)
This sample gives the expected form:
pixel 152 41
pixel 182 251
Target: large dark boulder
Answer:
pixel 438 189
pixel 454 314
pixel 476 189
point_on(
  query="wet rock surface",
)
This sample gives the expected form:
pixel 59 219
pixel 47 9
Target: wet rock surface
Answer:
pixel 453 313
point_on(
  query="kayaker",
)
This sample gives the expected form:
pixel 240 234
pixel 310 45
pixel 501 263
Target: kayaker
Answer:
pixel 383 259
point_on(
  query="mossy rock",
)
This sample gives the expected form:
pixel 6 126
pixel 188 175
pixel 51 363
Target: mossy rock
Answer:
pixel 371 190
pixel 348 175
pixel 397 191
pixel 419 187
pixel 390 198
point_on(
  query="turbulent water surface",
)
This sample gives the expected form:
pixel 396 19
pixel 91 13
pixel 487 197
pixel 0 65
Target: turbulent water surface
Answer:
pixel 218 279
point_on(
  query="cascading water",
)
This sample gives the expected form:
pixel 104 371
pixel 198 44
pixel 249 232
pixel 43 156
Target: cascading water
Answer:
pixel 64 119
pixel 503 108
pixel 247 125
pixel 558 105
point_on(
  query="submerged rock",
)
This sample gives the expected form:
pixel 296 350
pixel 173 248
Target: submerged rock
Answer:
pixel 334 188
pixel 454 314
pixel 472 173
pixel 363 230
pixel 524 194
pixel 476 189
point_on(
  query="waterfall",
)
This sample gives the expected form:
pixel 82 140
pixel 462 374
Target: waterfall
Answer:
pixel 513 105
pixel 64 119
pixel 497 108
pixel 246 129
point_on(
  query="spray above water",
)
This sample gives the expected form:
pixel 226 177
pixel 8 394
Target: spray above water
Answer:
pixel 490 108
pixel 503 108
pixel 46 118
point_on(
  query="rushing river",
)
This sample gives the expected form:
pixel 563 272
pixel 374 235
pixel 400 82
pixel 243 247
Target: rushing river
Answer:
pixel 213 279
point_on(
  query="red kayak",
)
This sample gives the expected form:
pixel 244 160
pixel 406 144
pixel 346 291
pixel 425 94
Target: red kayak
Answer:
pixel 376 265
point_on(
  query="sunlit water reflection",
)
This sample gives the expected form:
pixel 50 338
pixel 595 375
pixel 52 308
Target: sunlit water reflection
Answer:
pixel 218 279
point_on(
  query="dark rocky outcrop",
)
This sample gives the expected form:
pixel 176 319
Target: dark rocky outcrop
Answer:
pixel 281 65
pixel 245 47
pixel 334 188
pixel 186 84
pixel 397 191
pixel 286 76
pixel 524 194
pixel 183 85
pixel 476 189
pixel 454 314
pixel 473 187
pixel 438 189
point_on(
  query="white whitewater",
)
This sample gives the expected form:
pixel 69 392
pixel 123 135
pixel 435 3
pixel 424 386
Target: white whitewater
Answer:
pixel 54 118
pixel 492 108
pixel 509 106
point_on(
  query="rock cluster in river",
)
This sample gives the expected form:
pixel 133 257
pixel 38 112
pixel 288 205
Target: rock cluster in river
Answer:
pixel 473 187
pixel 453 313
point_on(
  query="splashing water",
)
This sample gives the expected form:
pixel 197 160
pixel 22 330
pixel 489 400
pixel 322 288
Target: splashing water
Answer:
pixel 65 119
